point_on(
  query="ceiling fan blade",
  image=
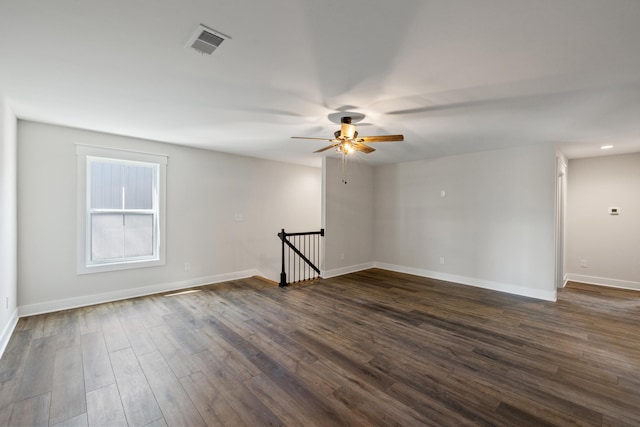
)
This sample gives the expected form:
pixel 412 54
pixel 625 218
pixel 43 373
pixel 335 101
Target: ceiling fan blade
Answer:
pixel 381 138
pixel 359 146
pixel 307 137
pixel 328 147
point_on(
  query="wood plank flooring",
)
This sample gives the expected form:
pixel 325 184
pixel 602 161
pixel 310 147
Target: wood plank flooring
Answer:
pixel 365 349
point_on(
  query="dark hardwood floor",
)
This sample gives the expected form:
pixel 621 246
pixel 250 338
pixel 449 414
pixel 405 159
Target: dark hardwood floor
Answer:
pixel 370 348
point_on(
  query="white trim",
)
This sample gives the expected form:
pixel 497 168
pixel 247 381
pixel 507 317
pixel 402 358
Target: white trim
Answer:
pixel 323 214
pixel 64 304
pixel 8 331
pixel 84 152
pixel 346 270
pixel 472 281
pixel 560 220
pixel 603 281
pixel 129 154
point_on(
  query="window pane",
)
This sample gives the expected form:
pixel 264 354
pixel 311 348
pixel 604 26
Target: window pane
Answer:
pixel 138 187
pixel 106 185
pixel 107 236
pixel 118 236
pixel 138 235
pixel 109 179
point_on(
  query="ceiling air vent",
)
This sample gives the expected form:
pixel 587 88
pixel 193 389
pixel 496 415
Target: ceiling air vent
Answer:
pixel 205 40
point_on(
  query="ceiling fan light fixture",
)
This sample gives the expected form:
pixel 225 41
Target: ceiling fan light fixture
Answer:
pixel 346 148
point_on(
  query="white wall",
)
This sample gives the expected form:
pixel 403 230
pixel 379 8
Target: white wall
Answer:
pixel 610 245
pixel 204 192
pixel 8 233
pixel 494 227
pixel 348 216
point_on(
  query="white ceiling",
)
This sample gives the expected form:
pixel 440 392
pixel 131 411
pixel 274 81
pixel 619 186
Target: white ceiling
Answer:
pixel 452 75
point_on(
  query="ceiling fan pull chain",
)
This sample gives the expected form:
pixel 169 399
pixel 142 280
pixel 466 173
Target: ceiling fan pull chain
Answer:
pixel 344 168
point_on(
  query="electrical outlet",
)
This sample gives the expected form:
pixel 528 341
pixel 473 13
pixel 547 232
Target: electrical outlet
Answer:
pixel 441 260
pixel 187 266
pixel 583 263
pixel 342 255
pixel 442 193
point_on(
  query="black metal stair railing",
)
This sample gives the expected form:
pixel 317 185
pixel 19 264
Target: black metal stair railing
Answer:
pixel 300 256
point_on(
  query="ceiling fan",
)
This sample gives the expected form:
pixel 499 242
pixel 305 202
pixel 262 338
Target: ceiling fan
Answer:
pixel 347 141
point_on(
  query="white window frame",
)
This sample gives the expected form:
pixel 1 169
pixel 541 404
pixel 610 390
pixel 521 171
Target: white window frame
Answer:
pixel 85 155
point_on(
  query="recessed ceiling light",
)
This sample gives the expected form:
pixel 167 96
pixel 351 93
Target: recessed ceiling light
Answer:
pixel 606 147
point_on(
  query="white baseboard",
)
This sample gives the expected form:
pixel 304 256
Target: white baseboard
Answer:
pixel 603 281
pixel 82 301
pixel 550 295
pixel 8 330
pixel 64 304
pixel 346 270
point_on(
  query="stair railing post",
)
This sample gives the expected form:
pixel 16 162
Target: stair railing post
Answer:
pixel 283 274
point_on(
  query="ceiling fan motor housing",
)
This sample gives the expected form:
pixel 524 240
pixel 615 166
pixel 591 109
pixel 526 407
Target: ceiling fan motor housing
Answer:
pixel 347 130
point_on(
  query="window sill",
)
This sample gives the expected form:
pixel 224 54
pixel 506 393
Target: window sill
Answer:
pixel 127 265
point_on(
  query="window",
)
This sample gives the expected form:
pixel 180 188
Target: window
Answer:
pixel 120 209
